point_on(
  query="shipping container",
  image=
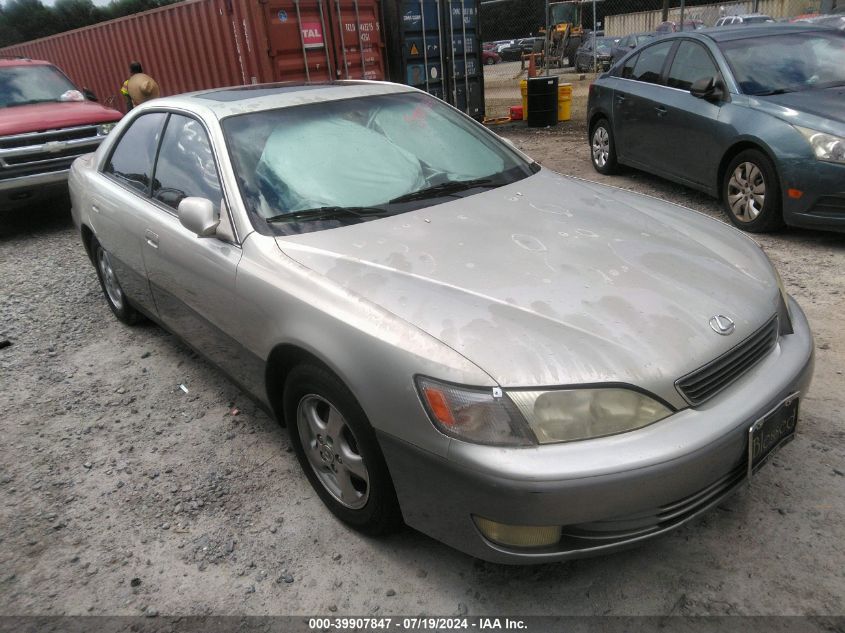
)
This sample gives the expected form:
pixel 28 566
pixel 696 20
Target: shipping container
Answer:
pixel 201 44
pixel 437 44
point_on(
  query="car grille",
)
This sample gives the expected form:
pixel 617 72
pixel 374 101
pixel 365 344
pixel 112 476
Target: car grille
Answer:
pixel 43 152
pixel 705 382
pixel 829 205
pixel 632 527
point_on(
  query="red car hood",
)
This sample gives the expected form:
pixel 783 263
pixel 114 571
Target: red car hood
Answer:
pixel 50 116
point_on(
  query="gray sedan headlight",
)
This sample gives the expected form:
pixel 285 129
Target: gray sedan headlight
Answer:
pixel 579 414
pixel 522 418
pixel 825 146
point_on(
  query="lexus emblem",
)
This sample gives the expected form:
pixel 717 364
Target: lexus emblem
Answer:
pixel 722 325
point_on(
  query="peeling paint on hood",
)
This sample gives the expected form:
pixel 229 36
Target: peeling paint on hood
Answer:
pixel 556 281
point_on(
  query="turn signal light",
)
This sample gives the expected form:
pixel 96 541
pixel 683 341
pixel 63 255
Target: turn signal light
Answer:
pixel 518 535
pixel 439 407
pixel 794 193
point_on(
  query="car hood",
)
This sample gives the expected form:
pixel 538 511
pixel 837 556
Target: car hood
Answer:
pixel 39 117
pixel 555 281
pixel 818 109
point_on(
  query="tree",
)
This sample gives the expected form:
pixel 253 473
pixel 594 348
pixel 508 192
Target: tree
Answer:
pixel 74 14
pixel 30 19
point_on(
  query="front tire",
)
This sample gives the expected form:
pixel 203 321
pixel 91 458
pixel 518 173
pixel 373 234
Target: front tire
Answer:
pixel 751 193
pixel 112 290
pixel 603 148
pixel 338 450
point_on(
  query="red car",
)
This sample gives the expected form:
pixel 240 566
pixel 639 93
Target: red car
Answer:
pixel 45 123
pixel 490 57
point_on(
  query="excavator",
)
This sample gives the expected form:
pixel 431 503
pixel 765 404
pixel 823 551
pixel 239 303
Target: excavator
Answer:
pixel 563 34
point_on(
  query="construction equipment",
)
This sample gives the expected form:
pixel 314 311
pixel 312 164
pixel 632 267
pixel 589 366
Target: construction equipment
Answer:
pixel 563 33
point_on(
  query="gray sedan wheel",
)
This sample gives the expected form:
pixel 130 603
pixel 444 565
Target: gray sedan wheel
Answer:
pixel 112 290
pixel 603 148
pixel 338 450
pixel 751 193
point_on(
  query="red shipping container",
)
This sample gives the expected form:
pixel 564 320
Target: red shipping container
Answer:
pixel 201 44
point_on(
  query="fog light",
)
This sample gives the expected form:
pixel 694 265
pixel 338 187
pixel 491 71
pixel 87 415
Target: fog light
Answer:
pixel 518 535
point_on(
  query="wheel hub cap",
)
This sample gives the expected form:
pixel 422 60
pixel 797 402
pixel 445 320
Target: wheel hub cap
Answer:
pixel 746 192
pixel 110 282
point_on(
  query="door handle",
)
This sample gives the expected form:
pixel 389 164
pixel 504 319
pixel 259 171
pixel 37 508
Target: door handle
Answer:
pixel 620 98
pixel 661 110
pixel 95 208
pixel 151 238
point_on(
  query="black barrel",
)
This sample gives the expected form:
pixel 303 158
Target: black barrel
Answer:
pixel 542 101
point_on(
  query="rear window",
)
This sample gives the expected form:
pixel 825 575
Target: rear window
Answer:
pixel 650 63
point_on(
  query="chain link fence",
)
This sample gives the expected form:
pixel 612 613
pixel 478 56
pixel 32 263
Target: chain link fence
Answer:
pixel 560 37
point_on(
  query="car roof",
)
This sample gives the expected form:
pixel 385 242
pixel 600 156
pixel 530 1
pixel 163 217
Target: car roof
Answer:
pixel 234 100
pixel 741 32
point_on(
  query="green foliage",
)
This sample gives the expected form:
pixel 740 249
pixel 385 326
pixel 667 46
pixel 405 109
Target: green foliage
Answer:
pixel 24 20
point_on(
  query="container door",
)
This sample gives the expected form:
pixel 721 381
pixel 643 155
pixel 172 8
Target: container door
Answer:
pixel 465 68
pixel 299 40
pixel 422 46
pixel 358 40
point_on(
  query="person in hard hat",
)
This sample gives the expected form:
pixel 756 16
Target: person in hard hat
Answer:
pixel 134 69
pixel 142 88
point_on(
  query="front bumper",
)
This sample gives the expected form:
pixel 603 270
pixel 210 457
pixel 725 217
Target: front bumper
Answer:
pixel 822 203
pixel 609 493
pixel 24 190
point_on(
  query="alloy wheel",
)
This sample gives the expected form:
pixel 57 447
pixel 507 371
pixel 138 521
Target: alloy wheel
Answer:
pixel 332 451
pixel 600 146
pixel 746 192
pixel 110 282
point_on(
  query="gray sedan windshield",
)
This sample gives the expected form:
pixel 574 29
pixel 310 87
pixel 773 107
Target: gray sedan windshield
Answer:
pixel 787 62
pixel 319 166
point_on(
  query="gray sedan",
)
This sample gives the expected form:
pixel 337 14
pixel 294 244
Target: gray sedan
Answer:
pixel 754 115
pixel 525 366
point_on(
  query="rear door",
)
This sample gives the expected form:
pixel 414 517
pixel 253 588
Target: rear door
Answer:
pixel 637 104
pixel 119 204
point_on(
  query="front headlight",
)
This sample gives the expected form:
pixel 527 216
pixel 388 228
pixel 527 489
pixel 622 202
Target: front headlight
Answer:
pixel 523 418
pixel 825 146
pixel 104 128
pixel 579 414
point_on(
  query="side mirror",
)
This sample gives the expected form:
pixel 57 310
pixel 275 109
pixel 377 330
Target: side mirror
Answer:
pixel 199 216
pixel 708 88
pixel 89 94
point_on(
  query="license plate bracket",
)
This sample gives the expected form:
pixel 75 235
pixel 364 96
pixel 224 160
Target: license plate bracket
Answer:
pixel 771 432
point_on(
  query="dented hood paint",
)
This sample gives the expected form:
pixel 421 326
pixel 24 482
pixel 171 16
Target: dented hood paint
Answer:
pixel 557 281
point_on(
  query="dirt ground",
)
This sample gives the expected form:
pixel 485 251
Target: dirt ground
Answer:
pixel 123 494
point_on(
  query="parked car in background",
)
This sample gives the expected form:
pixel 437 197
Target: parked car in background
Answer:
pixel 749 18
pixel 628 43
pixel 519 48
pixel 447 344
pixel 674 27
pixel 503 44
pixel 754 115
pixel 832 21
pixel 598 60
pixel 45 123
pixel 490 57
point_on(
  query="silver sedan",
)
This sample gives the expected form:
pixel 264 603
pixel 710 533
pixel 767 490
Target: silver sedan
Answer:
pixel 526 366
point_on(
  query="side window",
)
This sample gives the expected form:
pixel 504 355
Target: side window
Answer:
pixel 692 62
pixel 132 158
pixel 628 68
pixel 650 62
pixel 185 164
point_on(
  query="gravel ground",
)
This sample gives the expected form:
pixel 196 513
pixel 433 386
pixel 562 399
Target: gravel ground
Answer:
pixel 123 494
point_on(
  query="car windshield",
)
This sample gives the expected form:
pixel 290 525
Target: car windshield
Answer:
pixel 323 165
pixel 787 62
pixel 603 44
pixel 644 38
pixel 23 85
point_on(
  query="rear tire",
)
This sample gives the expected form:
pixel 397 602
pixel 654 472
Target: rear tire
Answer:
pixel 112 290
pixel 338 450
pixel 603 148
pixel 751 193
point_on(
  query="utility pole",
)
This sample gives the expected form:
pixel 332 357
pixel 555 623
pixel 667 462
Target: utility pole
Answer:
pixel 665 15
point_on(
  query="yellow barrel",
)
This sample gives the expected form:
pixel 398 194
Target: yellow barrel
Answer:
pixel 523 88
pixel 564 102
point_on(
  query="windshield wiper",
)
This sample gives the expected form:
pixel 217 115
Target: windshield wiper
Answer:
pixel 330 213
pixel 446 188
